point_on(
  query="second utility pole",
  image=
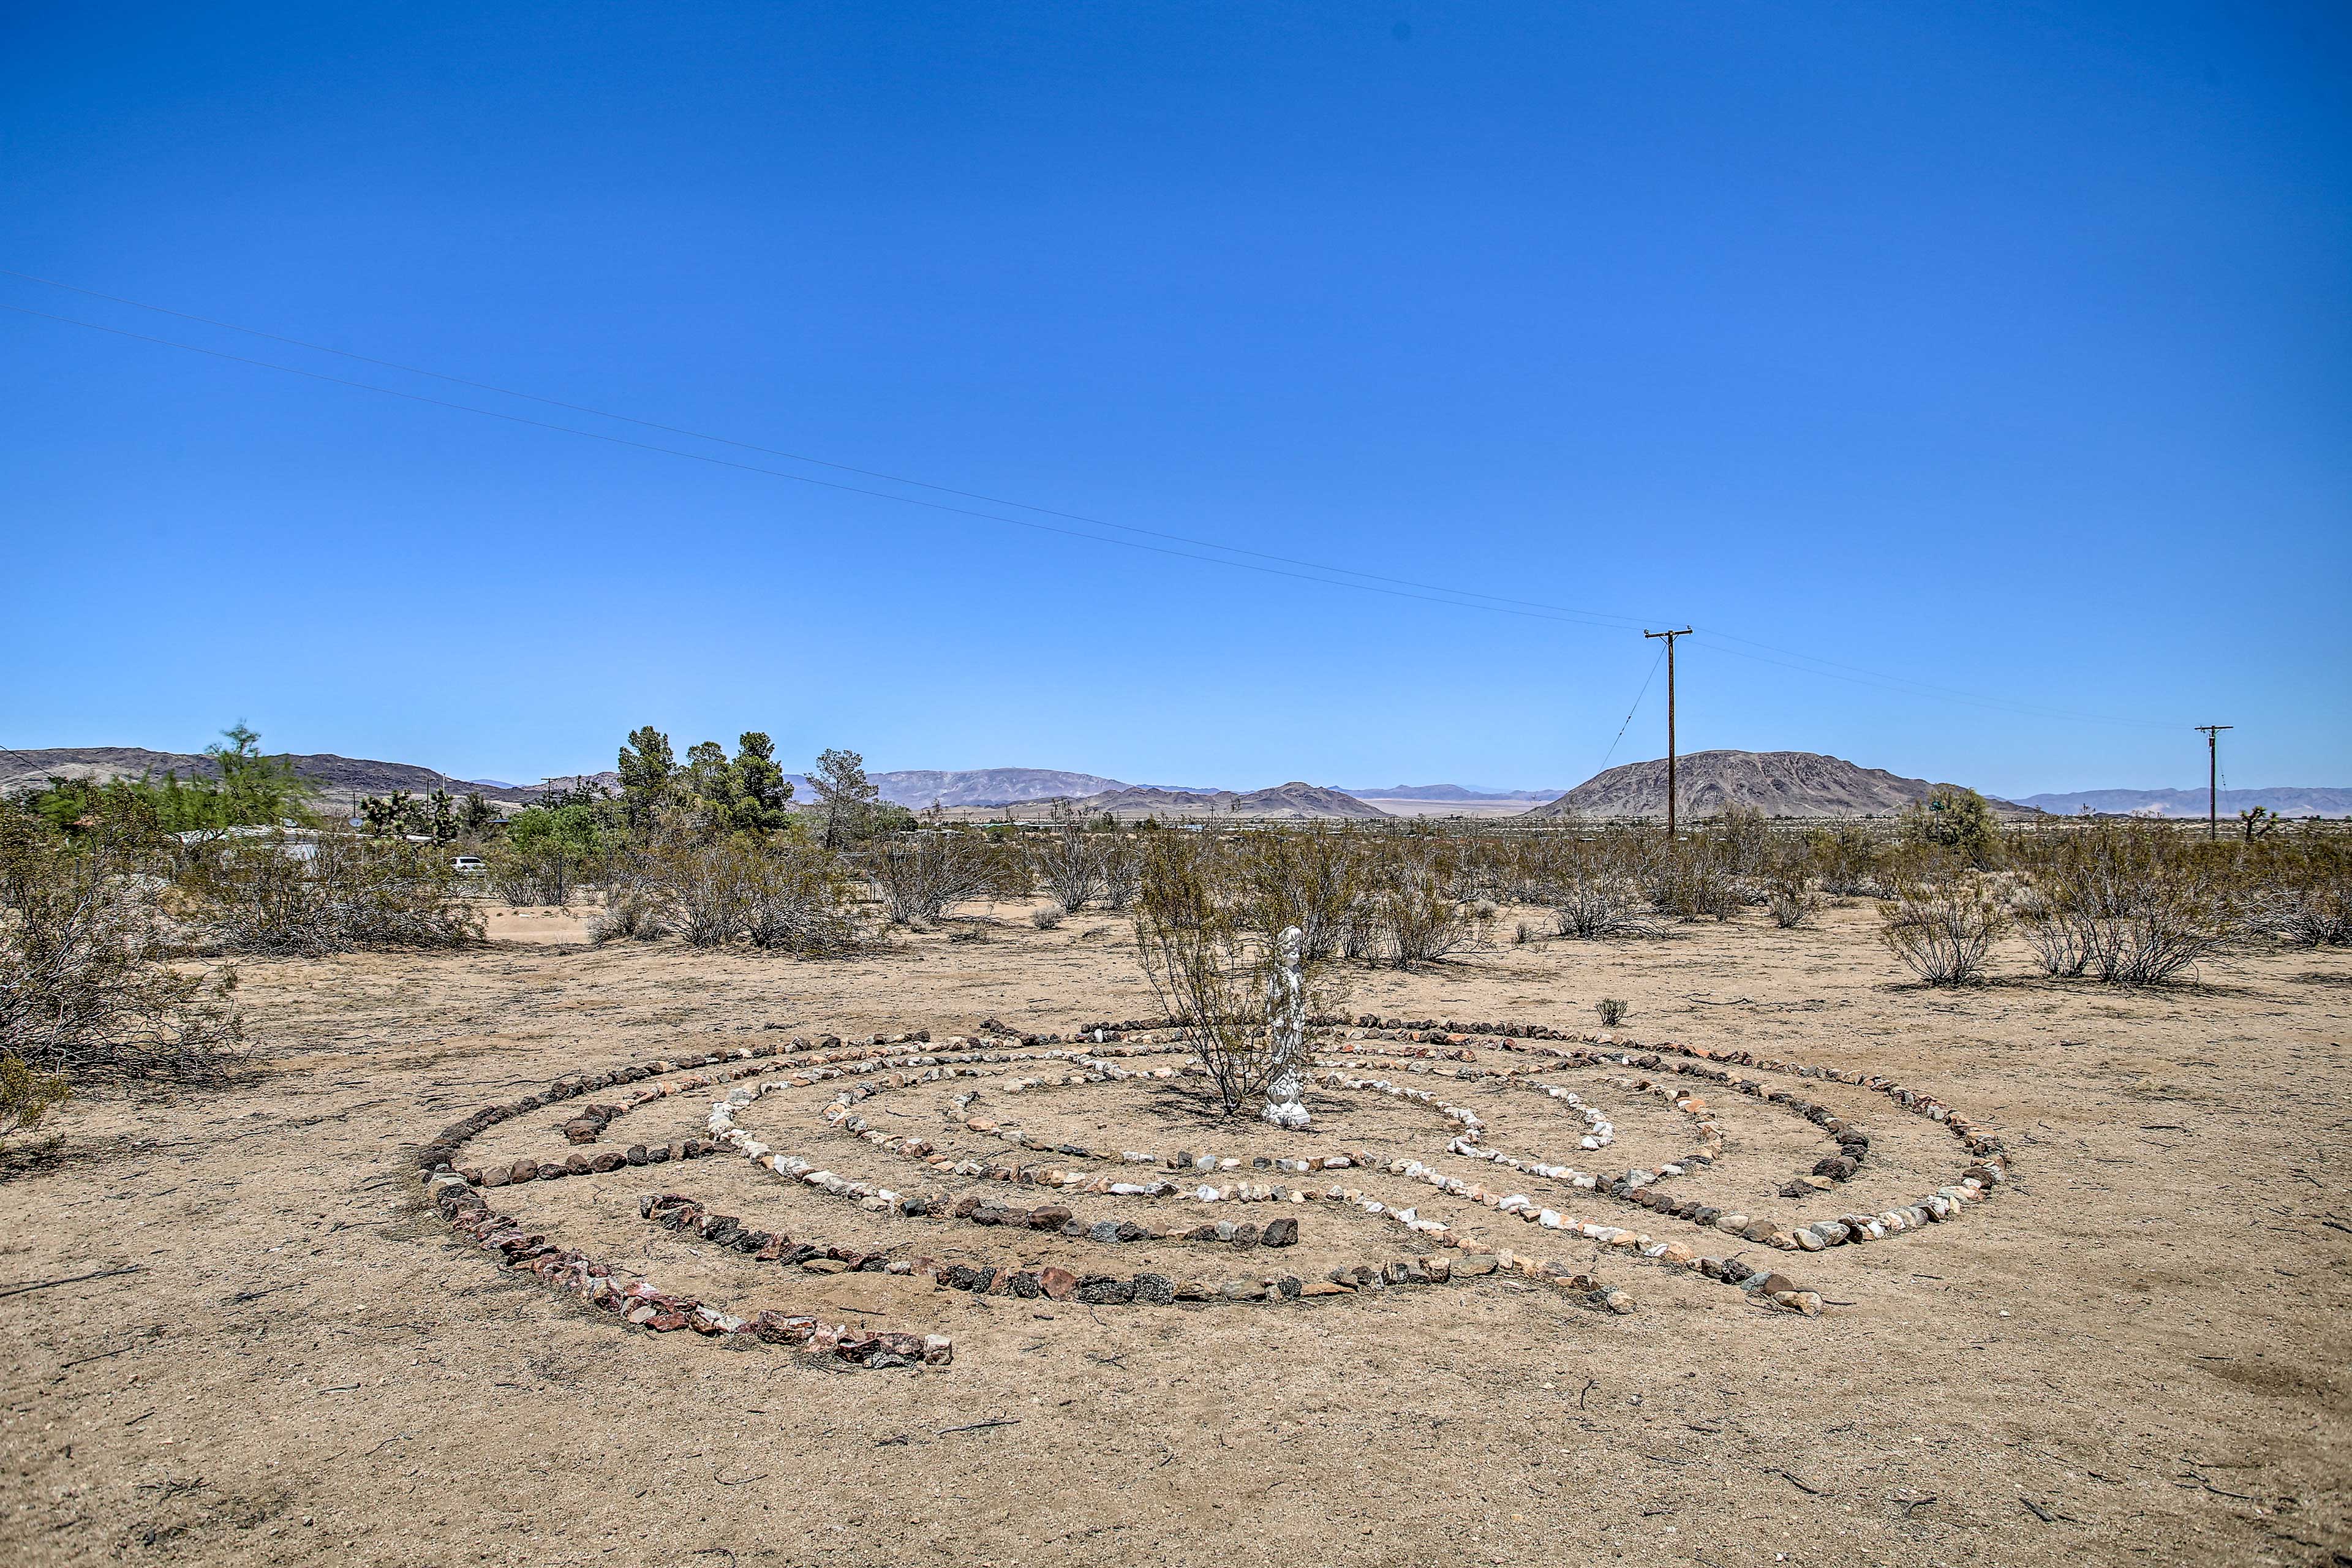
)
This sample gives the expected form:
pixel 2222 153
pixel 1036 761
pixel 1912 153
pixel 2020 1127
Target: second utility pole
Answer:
pixel 1670 637
pixel 2212 777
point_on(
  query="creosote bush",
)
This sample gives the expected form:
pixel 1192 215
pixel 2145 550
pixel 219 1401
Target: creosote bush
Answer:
pixel 85 988
pixel 1942 924
pixel 328 893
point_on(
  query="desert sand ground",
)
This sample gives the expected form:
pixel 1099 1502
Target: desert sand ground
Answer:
pixel 2137 1353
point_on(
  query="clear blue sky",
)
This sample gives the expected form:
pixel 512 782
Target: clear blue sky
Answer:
pixel 2003 348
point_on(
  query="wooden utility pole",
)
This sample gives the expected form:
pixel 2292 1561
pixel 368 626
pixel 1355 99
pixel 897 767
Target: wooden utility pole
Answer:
pixel 1670 637
pixel 2213 776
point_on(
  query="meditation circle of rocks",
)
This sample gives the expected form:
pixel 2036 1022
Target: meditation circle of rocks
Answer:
pixel 1442 1048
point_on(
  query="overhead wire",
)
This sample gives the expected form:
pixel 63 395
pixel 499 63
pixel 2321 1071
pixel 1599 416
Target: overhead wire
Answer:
pixel 1332 576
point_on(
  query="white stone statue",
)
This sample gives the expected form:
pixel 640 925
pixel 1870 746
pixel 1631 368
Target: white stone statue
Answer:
pixel 1286 1023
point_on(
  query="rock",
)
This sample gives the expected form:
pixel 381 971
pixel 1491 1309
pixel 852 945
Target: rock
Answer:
pixel 1474 1265
pixel 1281 1231
pixel 1058 1284
pixel 835 1266
pixel 523 1170
pixel 1325 1287
pixel 1618 1301
pixel 1154 1290
pixel 1104 1290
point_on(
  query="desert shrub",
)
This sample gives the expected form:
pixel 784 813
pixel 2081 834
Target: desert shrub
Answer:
pixel 1066 858
pixel 1522 934
pixel 1848 861
pixel 325 894
pixel 1741 839
pixel 2299 888
pixel 1314 878
pixel 1786 883
pixel 84 988
pixel 1419 921
pixel 1613 1012
pixel 1957 822
pixel 1593 893
pixel 795 898
pixel 1048 917
pixel 922 875
pixel 1692 879
pixel 1941 925
pixel 27 1096
pixel 538 873
pixel 2132 902
pixel 1118 864
pixel 632 917
pixel 781 894
pixel 1207 971
pixel 707 884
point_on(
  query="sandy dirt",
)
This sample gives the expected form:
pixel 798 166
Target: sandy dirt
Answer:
pixel 2137 1353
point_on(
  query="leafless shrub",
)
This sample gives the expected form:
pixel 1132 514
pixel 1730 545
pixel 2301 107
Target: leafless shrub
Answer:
pixel 2130 902
pixel 923 874
pixel 2299 888
pixel 1048 917
pixel 1613 1012
pixel 781 894
pixel 1942 924
pixel 1066 858
pixel 84 988
pixel 1786 883
pixel 1119 863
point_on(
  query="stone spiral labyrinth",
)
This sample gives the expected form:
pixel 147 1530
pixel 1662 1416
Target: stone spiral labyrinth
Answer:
pixel 1091 1166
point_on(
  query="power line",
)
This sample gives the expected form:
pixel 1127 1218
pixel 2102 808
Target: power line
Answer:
pixel 1397 587
pixel 1570 618
pixel 1599 616
pixel 1630 711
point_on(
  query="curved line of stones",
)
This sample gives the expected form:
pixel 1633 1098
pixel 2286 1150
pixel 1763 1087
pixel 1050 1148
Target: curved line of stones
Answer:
pixel 647 1304
pixel 1147 1288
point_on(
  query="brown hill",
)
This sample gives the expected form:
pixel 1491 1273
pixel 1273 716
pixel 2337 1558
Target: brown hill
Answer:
pixel 1778 783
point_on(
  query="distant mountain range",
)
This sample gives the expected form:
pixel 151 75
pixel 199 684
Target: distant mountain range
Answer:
pixel 1447 792
pixel 2286 802
pixel 1778 783
pixel 1781 783
pixel 1293 801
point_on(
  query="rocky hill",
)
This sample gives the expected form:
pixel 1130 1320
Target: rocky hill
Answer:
pixel 1778 783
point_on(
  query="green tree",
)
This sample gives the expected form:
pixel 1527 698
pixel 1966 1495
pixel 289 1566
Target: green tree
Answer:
pixel 847 795
pixel 648 771
pixel 476 817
